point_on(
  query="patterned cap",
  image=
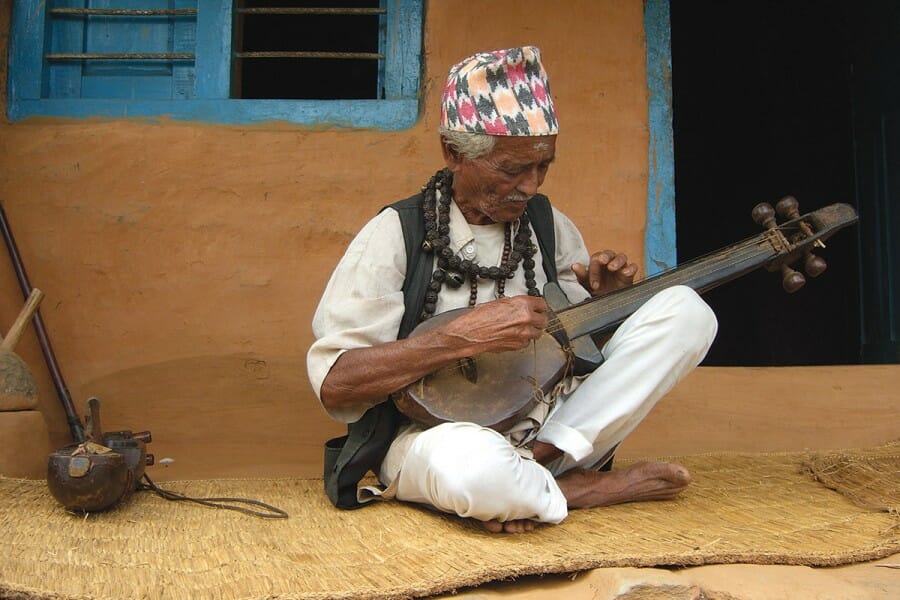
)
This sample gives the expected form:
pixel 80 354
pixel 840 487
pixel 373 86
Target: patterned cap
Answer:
pixel 504 92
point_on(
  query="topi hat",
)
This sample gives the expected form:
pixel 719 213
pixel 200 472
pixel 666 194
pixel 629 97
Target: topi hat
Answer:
pixel 504 92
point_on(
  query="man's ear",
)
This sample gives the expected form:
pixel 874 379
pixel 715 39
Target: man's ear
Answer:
pixel 452 158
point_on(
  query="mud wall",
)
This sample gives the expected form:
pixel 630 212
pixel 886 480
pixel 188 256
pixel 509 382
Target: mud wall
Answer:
pixel 182 262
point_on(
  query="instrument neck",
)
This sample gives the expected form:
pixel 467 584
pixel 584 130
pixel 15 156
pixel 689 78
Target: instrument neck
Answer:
pixel 603 313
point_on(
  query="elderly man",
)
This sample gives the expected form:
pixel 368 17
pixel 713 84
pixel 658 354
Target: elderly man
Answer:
pixel 482 230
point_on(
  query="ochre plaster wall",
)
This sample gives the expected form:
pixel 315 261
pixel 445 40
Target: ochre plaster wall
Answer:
pixel 182 262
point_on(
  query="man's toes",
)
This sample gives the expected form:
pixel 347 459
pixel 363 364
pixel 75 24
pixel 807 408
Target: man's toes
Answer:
pixel 519 526
pixel 515 526
pixel 669 472
pixel 493 526
pixel 680 475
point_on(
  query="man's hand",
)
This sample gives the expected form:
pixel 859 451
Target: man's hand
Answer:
pixel 608 271
pixel 365 376
pixel 501 325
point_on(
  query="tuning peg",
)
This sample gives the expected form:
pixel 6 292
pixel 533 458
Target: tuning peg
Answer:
pixel 814 265
pixel 763 214
pixel 791 280
pixel 788 208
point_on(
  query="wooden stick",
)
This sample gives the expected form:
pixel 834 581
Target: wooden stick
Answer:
pixel 21 322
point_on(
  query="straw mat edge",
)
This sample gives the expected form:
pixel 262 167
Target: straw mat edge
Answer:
pixel 750 508
pixel 870 478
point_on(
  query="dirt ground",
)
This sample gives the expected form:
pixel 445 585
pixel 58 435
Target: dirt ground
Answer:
pixel 875 580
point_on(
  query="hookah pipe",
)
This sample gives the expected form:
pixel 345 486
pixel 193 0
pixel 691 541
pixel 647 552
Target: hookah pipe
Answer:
pixel 88 482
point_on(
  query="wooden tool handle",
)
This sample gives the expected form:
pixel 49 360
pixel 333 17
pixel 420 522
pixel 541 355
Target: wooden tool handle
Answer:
pixel 21 322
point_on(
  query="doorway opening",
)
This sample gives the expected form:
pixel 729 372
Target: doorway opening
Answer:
pixel 766 103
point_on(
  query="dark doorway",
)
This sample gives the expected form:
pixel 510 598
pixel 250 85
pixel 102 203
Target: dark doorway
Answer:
pixel 766 99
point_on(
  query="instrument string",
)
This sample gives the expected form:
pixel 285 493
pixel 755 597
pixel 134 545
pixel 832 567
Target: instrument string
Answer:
pixel 700 268
pixel 642 289
pixel 760 245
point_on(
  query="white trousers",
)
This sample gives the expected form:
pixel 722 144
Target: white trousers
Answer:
pixel 473 471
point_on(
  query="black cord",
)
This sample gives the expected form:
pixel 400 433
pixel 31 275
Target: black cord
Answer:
pixel 273 512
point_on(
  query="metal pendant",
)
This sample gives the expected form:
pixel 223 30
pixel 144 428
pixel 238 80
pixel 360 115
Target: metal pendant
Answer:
pixel 453 279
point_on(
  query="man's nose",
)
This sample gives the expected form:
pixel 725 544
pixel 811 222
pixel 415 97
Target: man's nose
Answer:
pixel 529 183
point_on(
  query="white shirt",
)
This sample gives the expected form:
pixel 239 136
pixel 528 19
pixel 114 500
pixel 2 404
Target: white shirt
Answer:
pixel 362 305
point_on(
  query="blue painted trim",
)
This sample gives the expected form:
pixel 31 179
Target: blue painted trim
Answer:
pixel 382 44
pixel 659 240
pixel 64 79
pixel 377 114
pixel 212 63
pixel 403 49
pixel 399 110
pixel 26 49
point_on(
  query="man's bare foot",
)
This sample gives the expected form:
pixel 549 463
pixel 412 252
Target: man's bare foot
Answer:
pixel 517 526
pixel 635 483
pixel 584 488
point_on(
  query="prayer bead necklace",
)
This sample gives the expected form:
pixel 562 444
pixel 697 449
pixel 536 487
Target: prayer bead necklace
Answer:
pixel 453 270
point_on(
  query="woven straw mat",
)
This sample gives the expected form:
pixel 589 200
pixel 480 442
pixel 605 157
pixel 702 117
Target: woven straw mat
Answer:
pixel 870 478
pixel 750 508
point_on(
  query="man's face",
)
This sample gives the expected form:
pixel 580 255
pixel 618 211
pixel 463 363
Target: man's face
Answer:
pixel 495 188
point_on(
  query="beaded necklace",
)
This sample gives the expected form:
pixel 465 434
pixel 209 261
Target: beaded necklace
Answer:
pixel 453 270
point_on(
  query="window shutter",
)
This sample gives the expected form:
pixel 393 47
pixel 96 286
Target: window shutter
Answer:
pixel 106 51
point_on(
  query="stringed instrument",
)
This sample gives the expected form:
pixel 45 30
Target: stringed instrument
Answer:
pixel 497 389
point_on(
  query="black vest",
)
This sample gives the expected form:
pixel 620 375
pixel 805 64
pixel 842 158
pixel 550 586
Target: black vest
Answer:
pixel 349 457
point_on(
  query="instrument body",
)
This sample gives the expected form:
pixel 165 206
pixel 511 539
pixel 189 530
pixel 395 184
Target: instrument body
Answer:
pixel 497 389
pixel 457 393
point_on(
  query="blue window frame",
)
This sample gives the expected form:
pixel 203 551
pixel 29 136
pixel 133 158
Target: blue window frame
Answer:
pixel 73 58
pixel 659 239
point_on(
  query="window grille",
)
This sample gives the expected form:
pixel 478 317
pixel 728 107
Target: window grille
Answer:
pixel 331 49
pixel 347 62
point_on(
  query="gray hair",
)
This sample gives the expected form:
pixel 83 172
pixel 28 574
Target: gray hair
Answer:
pixel 469 145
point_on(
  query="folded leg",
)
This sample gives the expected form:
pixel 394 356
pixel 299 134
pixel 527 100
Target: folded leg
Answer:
pixel 649 353
pixel 472 471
